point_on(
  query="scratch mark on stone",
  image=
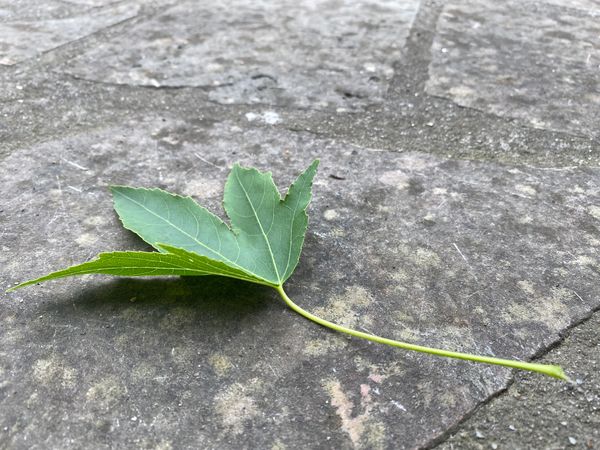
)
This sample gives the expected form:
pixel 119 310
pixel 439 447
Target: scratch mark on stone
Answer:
pixel 441 204
pixel 466 260
pixel 272 370
pixel 207 161
pixel 74 164
pixel 474 293
pixel 398 405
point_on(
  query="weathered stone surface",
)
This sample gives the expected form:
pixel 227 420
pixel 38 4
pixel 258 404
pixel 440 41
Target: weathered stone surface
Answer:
pixel 488 55
pixel 30 28
pixel 209 363
pixel 301 53
pixel 591 5
pixel 473 256
pixel 534 414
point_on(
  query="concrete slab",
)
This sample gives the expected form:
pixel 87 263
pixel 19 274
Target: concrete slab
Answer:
pixel 432 222
pixel 30 28
pixel 496 262
pixel 534 414
pixel 316 54
pixel 488 55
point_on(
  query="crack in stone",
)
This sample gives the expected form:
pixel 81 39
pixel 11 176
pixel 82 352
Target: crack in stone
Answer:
pixel 543 351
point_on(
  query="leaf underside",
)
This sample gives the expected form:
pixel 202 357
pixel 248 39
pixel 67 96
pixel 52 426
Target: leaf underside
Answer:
pixel 262 246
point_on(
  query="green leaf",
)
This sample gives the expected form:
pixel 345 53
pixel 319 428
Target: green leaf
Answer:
pixel 263 247
pixel 140 264
pixel 267 232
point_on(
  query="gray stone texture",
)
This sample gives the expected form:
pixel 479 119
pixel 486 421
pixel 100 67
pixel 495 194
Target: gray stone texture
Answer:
pixel 522 60
pixel 302 53
pixel 534 414
pixel 470 228
pixel 29 28
pixel 590 5
pixel 497 262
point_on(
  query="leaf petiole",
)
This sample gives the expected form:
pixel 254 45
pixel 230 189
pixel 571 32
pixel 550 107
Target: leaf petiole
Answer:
pixel 546 369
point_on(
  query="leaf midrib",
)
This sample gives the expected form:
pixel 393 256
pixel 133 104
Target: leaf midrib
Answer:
pixel 261 228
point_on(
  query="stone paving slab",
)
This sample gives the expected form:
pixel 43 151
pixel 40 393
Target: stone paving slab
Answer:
pixel 487 55
pixel 30 28
pixel 498 261
pixel 314 54
pixel 534 414
pixel 472 230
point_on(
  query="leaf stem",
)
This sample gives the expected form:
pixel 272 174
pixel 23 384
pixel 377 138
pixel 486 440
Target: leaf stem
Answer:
pixel 550 370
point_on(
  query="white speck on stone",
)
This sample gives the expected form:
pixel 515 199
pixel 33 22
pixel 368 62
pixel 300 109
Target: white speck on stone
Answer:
pixel 172 140
pixel 271 117
pixel 213 67
pixel 526 286
pixel 330 214
pixel 86 240
pixel 370 67
pixel 572 440
pixel 584 260
pixel 461 91
pixel 134 419
pixel 251 117
pixel 594 211
pixel 527 190
pixel 95 221
pixel 512 428
pixel 268 117
pixel 396 178
pixel 494 445
pixel 388 72
pixel 525 220
pixel 478 434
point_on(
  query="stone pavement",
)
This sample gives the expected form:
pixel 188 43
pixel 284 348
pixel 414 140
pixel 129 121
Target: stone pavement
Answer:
pixel 457 206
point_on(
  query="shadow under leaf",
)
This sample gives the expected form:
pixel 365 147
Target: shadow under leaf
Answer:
pixel 208 296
